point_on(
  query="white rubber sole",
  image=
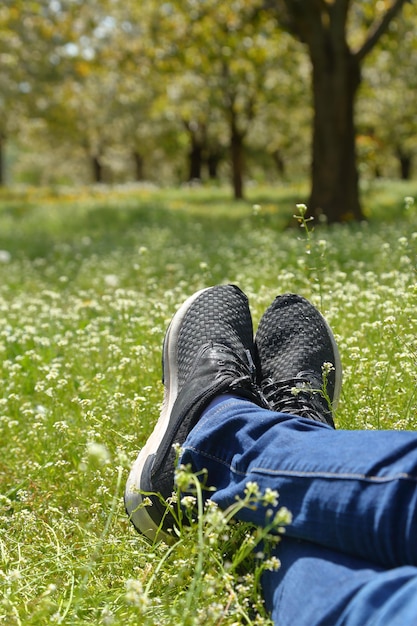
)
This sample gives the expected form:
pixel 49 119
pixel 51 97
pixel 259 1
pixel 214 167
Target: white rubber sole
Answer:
pixel 138 513
pixel 337 365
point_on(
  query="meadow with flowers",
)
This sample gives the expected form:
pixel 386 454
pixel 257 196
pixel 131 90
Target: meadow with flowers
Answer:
pixel 88 283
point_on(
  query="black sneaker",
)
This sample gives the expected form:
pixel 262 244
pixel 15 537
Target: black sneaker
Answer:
pixel 298 363
pixel 208 350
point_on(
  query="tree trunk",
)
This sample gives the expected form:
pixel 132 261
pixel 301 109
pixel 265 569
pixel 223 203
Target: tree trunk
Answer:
pixel 197 133
pixel 2 160
pixel 138 162
pixel 237 160
pixel 279 162
pixel 405 160
pixel 213 159
pixel 322 25
pixel 97 168
pixel 195 157
pixel 335 182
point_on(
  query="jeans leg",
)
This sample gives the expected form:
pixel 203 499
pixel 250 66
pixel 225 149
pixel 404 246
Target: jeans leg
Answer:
pixel 350 491
pixel 318 587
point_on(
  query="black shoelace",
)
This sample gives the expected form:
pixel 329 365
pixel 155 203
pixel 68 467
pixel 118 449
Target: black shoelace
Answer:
pixel 297 396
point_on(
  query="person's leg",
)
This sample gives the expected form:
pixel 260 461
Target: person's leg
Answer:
pixel 209 351
pixel 318 587
pixel 351 491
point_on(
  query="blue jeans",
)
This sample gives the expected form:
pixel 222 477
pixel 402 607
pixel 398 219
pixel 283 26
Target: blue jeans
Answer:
pixel 349 556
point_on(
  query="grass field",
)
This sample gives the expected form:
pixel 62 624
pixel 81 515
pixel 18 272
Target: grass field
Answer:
pixel 88 283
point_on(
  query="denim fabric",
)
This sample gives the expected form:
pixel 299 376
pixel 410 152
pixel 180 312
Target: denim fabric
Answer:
pixel 319 587
pixel 350 548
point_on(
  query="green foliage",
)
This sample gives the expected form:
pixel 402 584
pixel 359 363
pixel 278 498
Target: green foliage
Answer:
pixel 88 284
pixel 114 81
pixel 211 554
pixel 388 94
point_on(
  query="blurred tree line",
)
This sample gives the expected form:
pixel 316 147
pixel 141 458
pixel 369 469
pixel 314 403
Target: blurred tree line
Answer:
pixel 184 90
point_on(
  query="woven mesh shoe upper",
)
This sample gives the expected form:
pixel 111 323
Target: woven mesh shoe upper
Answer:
pixel 293 342
pixel 208 350
pixel 220 315
pixel 196 366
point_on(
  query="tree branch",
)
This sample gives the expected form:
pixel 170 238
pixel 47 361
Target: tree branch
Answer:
pixel 378 29
pixel 298 16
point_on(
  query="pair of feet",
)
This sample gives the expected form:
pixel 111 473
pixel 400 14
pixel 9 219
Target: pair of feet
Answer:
pixel 292 366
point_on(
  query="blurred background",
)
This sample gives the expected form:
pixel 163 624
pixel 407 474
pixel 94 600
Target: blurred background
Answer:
pixel 121 91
